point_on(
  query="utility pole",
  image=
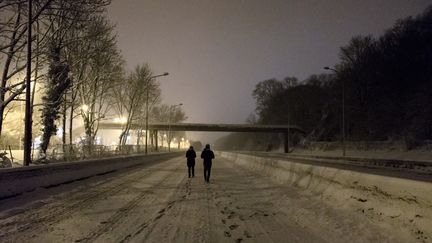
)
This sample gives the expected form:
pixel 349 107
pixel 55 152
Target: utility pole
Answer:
pixel 343 119
pixel 343 111
pixel 28 108
pixel 288 118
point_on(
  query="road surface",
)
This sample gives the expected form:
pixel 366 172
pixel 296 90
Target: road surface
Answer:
pixel 159 203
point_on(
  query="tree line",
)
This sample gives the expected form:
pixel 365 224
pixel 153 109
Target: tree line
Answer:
pixel 78 72
pixel 387 83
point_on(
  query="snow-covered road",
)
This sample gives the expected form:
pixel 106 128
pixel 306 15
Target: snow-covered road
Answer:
pixel 159 203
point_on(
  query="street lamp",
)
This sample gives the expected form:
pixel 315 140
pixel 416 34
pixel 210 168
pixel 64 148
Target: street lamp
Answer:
pixel 169 125
pixel 84 108
pixel 343 110
pixel 147 106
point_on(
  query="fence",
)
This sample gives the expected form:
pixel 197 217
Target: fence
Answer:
pixel 60 153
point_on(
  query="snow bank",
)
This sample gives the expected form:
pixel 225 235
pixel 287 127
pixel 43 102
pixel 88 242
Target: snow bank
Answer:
pixel 402 204
pixel 15 181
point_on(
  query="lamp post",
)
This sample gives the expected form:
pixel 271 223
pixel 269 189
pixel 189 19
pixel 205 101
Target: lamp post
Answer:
pixel 147 106
pixel 28 108
pixel 343 111
pixel 169 125
pixel 288 121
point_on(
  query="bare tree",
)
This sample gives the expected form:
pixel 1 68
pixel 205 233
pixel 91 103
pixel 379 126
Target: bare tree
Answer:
pixel 63 19
pixel 169 114
pixel 97 68
pixel 130 97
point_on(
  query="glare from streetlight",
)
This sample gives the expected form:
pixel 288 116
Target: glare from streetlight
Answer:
pixel 122 120
pixel 84 108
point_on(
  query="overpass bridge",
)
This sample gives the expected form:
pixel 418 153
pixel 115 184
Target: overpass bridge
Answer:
pixel 205 127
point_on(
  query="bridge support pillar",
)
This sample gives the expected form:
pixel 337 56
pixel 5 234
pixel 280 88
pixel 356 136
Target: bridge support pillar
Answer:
pixel 286 142
pixel 156 140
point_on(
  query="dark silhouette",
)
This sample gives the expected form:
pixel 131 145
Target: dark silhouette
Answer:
pixel 387 88
pixel 191 155
pixel 207 155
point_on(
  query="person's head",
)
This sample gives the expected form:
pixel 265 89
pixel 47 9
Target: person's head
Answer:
pixel 191 147
pixel 207 146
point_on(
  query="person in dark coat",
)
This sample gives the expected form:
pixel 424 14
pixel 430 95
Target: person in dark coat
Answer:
pixel 207 155
pixel 191 155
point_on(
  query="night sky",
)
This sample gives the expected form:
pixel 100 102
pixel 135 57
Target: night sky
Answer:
pixel 216 51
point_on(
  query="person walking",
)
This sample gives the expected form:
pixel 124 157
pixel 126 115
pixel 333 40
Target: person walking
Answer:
pixel 191 155
pixel 207 155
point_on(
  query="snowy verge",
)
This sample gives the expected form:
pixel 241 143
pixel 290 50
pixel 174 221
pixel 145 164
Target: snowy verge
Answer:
pixel 15 181
pixel 403 204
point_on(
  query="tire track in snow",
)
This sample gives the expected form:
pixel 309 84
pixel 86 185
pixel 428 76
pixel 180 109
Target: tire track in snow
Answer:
pixel 35 220
pixel 125 211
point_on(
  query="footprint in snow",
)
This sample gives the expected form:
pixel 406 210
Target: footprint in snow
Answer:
pixel 233 226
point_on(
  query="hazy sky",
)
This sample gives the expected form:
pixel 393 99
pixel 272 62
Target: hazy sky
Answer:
pixel 217 50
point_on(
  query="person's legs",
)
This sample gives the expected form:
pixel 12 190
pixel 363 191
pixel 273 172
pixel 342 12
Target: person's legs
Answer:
pixel 193 170
pixel 189 170
pixel 207 167
pixel 205 172
pixel 208 171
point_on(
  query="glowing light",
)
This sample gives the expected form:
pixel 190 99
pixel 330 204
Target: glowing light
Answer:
pixel 122 120
pixel 37 142
pixel 84 108
pixel 59 132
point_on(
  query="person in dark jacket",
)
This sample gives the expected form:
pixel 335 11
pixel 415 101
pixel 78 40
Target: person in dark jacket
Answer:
pixel 191 155
pixel 207 155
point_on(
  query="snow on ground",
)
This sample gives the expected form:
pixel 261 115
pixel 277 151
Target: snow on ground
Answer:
pixel 395 199
pixel 158 203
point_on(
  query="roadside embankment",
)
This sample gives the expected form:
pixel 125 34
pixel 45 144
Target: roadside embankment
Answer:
pixel 15 181
pixel 398 202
